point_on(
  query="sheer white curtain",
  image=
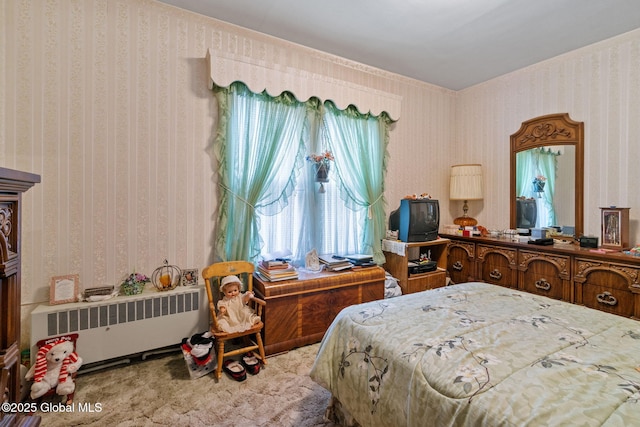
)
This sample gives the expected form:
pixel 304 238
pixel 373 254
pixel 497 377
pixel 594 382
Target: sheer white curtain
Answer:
pixel 314 219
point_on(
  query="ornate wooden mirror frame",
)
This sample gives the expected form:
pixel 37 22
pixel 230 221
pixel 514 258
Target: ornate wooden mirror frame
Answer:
pixel 552 129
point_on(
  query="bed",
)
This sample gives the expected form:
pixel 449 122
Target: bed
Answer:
pixel 476 354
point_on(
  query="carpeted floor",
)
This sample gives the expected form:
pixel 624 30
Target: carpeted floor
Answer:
pixel 159 391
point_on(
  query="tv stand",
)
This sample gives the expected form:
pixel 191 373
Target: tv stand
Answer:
pixel 398 254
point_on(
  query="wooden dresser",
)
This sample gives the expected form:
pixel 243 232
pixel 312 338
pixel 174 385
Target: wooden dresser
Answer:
pixel 605 281
pixel 298 312
pixel 12 184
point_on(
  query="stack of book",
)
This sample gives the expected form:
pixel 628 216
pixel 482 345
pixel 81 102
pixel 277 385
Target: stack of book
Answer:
pixel 360 260
pixel 276 270
pixel 335 263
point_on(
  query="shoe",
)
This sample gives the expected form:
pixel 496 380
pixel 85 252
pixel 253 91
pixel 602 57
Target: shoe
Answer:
pixel 235 370
pixel 251 363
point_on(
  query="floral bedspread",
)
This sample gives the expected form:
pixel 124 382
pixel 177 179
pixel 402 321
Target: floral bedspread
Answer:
pixel 475 354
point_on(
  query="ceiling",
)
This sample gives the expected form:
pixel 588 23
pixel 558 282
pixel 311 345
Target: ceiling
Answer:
pixel 450 43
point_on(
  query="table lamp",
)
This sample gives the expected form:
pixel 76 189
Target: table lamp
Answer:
pixel 466 184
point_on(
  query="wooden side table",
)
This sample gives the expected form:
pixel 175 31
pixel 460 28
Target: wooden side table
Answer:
pixel 398 264
pixel 298 312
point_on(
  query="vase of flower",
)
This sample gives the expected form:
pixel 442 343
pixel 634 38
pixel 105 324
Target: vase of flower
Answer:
pixel 322 172
pixel 538 184
pixel 321 167
pixel 134 284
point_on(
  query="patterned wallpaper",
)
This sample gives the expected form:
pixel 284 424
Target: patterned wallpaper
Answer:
pixel 107 100
pixel 598 85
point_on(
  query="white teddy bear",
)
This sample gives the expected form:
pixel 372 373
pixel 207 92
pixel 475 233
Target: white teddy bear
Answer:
pixel 55 363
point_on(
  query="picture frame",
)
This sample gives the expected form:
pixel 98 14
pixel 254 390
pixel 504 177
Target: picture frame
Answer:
pixel 189 277
pixel 64 289
pixel 614 228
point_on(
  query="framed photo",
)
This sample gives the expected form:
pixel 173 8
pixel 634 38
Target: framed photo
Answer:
pixel 615 227
pixel 64 289
pixel 189 277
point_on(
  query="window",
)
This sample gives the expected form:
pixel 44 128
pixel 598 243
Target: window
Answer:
pixel 269 198
pixel 314 218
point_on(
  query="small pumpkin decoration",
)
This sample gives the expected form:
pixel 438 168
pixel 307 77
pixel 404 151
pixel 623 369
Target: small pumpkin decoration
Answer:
pixel 166 277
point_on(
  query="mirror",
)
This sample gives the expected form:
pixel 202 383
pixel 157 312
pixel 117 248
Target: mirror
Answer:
pixel 547 173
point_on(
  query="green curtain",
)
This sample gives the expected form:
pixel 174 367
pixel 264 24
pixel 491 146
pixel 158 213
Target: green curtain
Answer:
pixel 359 143
pixel 258 136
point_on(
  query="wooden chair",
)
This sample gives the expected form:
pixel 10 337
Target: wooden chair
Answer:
pixel 212 275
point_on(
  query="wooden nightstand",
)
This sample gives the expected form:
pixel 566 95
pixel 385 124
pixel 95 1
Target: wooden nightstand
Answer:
pixel 398 265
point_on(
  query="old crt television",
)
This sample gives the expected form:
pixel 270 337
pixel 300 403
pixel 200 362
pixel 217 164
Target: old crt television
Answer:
pixel 417 220
pixel 526 213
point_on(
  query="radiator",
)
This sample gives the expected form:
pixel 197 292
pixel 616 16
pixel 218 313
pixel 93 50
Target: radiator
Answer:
pixel 124 325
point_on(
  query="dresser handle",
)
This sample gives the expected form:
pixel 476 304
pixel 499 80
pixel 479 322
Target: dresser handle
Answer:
pixel 607 298
pixel 495 274
pixel 542 284
pixel 457 266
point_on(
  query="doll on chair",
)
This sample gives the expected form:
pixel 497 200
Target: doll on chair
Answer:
pixel 234 315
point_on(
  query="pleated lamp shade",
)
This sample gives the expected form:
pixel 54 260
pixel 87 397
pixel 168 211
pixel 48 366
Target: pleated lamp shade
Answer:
pixel 466 184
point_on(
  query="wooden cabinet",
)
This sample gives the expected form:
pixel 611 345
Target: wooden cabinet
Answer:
pixel 605 281
pixel 298 312
pixel 398 255
pixel 12 185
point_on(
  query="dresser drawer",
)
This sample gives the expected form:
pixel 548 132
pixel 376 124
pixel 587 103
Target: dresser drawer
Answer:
pixel 426 281
pixel 545 274
pixel 497 265
pixel 605 286
pixel 461 261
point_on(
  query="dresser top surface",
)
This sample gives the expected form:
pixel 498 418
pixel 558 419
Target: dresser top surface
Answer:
pixel 570 249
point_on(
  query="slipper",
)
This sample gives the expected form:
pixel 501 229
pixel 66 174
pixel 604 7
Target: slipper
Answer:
pixel 235 370
pixel 251 363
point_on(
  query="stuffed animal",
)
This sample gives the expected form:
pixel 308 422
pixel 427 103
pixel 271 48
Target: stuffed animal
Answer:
pixel 55 362
pixel 199 346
